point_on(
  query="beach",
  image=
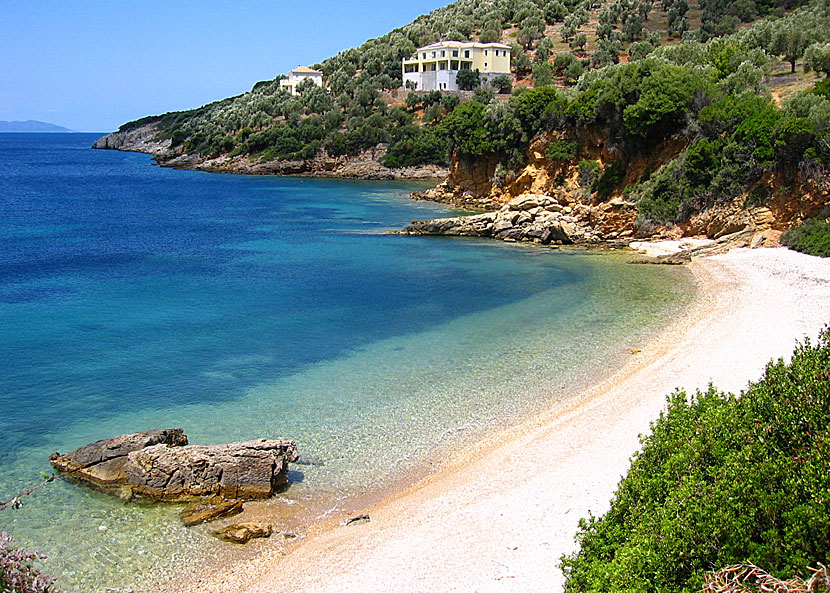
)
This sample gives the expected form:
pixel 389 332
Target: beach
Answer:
pixel 500 518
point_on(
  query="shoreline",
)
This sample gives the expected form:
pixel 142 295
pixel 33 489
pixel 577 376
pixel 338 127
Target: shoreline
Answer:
pixel 500 518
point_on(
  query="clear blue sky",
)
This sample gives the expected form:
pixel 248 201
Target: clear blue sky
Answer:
pixel 91 66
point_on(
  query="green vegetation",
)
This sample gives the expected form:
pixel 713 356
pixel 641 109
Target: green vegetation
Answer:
pixel 706 91
pixel 562 150
pixel 721 479
pixel 812 237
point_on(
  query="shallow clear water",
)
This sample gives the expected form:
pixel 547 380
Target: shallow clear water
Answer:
pixel 236 307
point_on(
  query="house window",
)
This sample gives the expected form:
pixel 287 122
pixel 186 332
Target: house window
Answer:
pixel 485 52
pixel 433 54
pixel 466 53
pixel 443 53
pixel 424 55
pixel 455 53
pixel 485 65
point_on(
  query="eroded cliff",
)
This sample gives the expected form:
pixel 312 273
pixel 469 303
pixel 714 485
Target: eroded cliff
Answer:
pixel 547 195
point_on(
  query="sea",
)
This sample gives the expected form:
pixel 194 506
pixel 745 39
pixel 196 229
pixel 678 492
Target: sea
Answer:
pixel 237 307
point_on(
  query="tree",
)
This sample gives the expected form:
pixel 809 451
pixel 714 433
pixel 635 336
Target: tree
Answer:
pixel 817 57
pixel 789 42
pixel 467 80
pixel 639 50
pixel 530 30
pixel 543 74
pixel 521 62
pixel 567 33
pixel 578 42
pixel 502 83
pixel 555 12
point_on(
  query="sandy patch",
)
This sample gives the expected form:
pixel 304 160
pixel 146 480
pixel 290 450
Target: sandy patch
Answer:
pixel 501 520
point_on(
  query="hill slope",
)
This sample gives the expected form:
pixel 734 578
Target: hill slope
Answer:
pixel 667 129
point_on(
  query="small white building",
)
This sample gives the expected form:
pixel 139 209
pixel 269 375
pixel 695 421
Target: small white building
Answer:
pixel 298 75
pixel 434 67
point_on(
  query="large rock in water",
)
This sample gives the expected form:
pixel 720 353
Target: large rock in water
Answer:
pixel 101 464
pixel 160 464
pixel 250 469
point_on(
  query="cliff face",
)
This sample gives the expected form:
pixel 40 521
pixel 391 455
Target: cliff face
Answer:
pixel 366 165
pixel 559 193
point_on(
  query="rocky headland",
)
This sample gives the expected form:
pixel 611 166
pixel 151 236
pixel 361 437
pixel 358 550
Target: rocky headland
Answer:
pixel 547 201
pixel 149 138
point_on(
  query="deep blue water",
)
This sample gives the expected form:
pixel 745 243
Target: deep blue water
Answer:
pixel 122 284
pixel 134 297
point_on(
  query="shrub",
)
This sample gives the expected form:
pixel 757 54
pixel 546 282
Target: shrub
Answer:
pixel 588 171
pixel 610 178
pixel 721 479
pixel 812 237
pixel 17 571
pixel 562 150
pixel 467 80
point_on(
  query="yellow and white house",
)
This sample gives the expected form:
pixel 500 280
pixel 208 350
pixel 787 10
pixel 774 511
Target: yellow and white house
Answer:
pixel 435 66
pixel 298 75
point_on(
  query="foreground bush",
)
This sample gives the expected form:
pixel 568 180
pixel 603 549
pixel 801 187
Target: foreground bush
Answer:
pixel 17 574
pixel 722 479
pixel 812 237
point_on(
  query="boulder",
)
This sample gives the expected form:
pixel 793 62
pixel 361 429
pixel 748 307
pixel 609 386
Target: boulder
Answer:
pixel 209 509
pixel 528 201
pixel 101 464
pixel 161 465
pixel 240 533
pixel 249 469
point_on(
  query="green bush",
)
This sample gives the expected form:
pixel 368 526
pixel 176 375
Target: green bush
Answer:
pixel 562 150
pixel 721 479
pixel 609 179
pixel 588 172
pixel 812 237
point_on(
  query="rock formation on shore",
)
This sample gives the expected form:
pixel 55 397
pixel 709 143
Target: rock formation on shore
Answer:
pixel 159 464
pixel 528 217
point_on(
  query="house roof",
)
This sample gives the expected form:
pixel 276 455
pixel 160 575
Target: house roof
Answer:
pixel 304 70
pixel 463 45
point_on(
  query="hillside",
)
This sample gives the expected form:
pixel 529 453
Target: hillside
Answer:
pixel 708 91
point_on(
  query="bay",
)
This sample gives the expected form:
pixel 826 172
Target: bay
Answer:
pixel 238 307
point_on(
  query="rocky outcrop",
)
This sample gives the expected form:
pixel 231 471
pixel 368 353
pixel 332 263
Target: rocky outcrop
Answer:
pixel 161 465
pixel 102 464
pixel 139 139
pixel 148 138
pixel 249 469
pixel 528 217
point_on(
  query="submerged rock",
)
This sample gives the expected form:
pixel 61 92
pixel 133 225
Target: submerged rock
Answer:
pixel 240 533
pixel 161 465
pixel 209 509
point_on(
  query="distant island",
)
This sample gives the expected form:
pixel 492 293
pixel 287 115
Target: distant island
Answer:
pixel 30 126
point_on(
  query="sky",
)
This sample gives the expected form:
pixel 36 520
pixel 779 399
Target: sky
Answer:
pixel 91 66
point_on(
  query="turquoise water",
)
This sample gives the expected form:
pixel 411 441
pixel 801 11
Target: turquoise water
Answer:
pixel 236 307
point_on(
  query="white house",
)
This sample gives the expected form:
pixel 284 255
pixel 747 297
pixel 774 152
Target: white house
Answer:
pixel 298 75
pixel 435 66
